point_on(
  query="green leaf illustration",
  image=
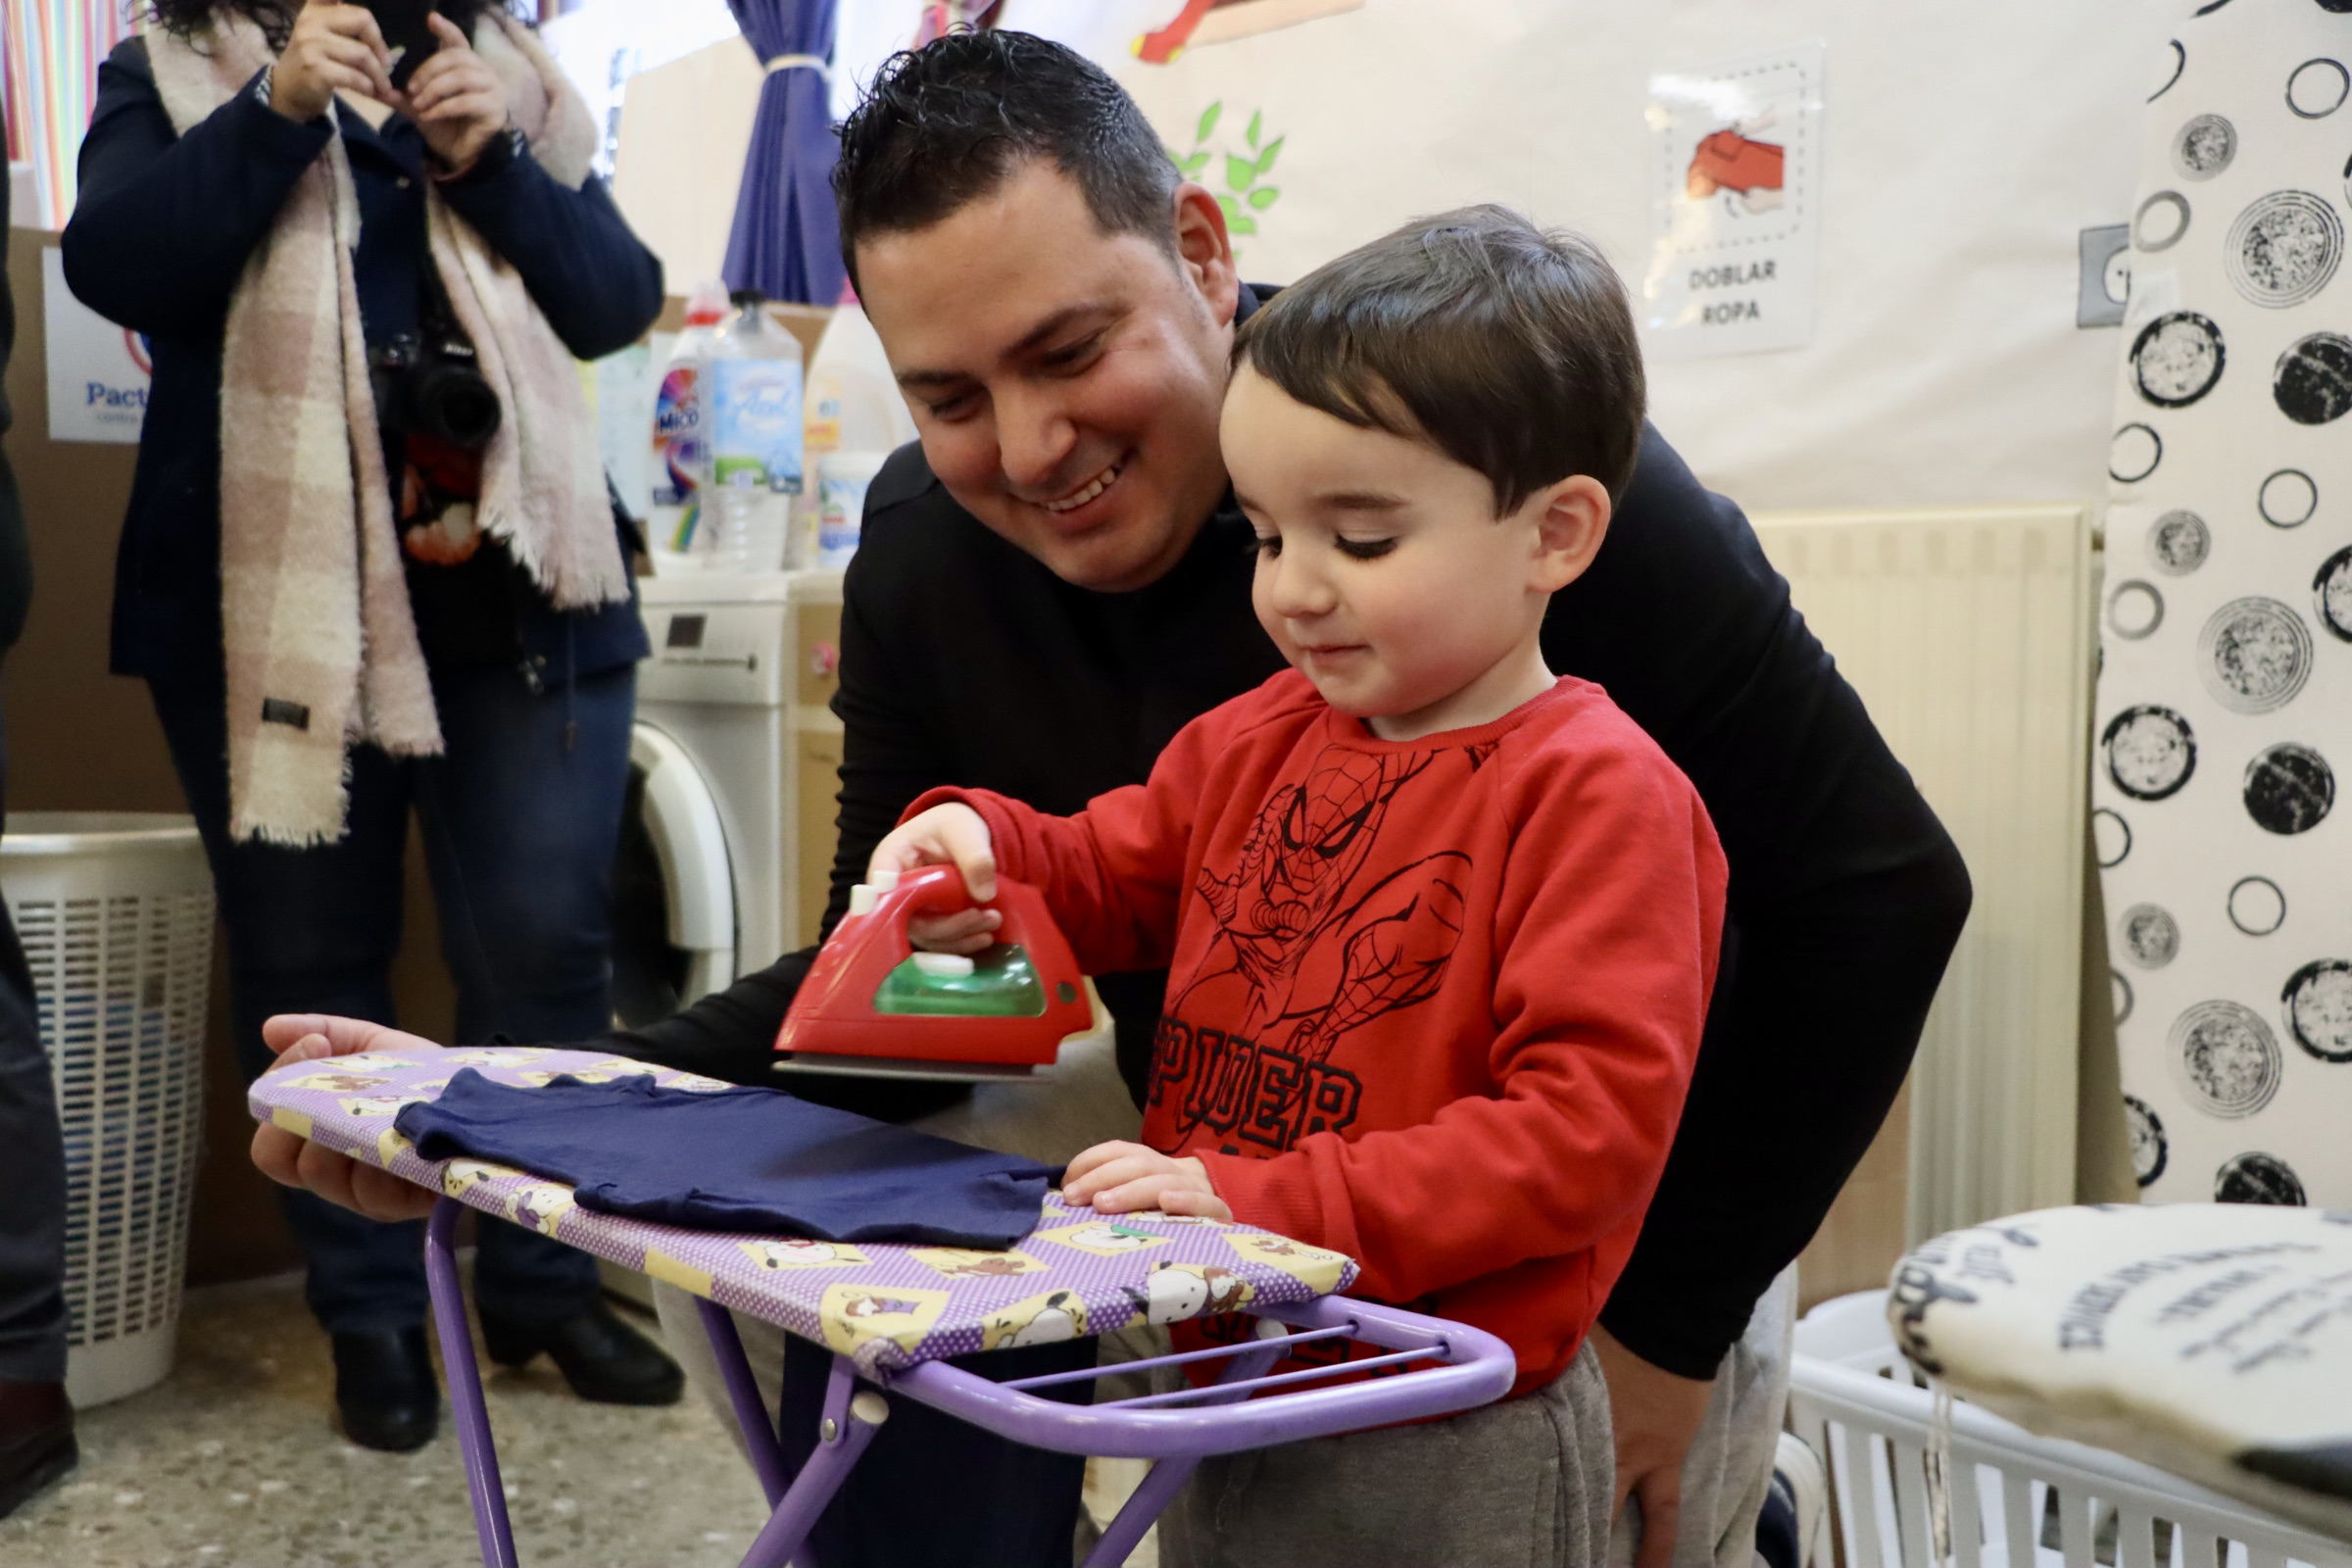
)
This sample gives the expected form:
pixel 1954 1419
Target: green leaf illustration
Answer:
pixel 1256 123
pixel 1194 164
pixel 1209 120
pixel 1240 173
pixel 1263 197
pixel 1232 210
pixel 1266 159
pixel 1241 226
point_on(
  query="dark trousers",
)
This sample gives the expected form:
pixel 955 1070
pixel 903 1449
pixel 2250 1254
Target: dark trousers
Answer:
pixel 521 817
pixel 933 1492
pixel 32 1183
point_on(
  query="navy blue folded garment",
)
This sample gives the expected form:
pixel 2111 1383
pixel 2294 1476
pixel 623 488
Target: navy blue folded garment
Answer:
pixel 736 1159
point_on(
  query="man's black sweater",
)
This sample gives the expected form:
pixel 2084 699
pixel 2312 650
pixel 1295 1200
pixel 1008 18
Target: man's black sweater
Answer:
pixel 963 660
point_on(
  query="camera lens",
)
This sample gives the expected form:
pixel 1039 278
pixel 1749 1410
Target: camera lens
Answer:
pixel 453 402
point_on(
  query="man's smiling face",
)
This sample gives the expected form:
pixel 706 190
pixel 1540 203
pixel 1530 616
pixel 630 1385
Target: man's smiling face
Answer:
pixel 1065 381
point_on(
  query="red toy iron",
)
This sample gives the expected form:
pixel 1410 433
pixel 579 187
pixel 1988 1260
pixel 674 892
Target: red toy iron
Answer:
pixel 874 1007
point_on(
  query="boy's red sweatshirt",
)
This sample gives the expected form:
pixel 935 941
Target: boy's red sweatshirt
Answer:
pixel 1432 1003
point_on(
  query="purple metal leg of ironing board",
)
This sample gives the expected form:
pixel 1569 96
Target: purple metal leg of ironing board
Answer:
pixel 1475 1368
pixel 474 1447
pixel 843 1435
pixel 1167 1476
pixel 743 1394
pixel 788 1529
pixel 848 1424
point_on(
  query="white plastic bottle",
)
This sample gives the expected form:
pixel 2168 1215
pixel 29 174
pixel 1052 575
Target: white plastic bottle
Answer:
pixel 854 407
pixel 756 436
pixel 680 461
pixel 841 481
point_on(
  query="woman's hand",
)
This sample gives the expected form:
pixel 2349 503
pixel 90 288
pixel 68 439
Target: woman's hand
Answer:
pixel 292 1161
pixel 332 46
pixel 945 835
pixel 454 98
pixel 1121 1177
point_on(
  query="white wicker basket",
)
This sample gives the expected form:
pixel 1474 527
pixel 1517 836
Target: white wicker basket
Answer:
pixel 1855 1399
pixel 114 910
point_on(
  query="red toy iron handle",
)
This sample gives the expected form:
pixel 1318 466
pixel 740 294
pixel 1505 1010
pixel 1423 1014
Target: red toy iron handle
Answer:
pixel 837 1024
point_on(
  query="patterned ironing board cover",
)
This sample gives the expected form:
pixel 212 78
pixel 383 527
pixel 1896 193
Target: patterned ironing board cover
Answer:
pixel 886 1305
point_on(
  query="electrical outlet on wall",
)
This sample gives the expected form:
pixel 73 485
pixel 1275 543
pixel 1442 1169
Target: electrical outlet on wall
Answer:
pixel 2106 281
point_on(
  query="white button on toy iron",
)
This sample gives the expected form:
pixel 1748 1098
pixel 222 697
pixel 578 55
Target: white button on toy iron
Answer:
pixel 863 894
pixel 944 965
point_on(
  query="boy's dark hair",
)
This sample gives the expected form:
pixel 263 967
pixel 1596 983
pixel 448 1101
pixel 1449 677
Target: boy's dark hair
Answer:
pixel 1507 347
pixel 945 125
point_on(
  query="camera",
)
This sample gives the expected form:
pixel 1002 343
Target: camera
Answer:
pixel 429 383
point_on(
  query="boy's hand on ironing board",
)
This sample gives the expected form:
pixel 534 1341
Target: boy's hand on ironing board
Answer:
pixel 1121 1177
pixel 945 835
pixel 292 1161
pixel 1653 1415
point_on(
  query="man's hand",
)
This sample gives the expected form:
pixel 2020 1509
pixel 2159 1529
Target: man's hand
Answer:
pixel 1654 1415
pixel 945 835
pixel 292 1161
pixel 1121 1177
pixel 454 98
pixel 331 46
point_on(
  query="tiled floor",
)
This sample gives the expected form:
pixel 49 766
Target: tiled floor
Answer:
pixel 233 1462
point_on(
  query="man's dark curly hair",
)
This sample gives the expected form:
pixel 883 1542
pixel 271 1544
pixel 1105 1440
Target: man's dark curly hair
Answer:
pixel 946 123
pixel 275 18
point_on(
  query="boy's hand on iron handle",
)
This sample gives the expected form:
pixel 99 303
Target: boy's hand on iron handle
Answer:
pixel 945 835
pixel 292 1161
pixel 1120 1178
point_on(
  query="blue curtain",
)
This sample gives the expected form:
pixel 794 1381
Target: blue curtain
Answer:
pixel 787 238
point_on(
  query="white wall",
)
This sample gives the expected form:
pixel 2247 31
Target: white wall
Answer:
pixel 1965 147
pixel 685 128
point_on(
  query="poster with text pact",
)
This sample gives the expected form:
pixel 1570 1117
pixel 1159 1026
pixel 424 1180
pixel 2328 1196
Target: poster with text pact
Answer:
pixel 98 372
pixel 1735 205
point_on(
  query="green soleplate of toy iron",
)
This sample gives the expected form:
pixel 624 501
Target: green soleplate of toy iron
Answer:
pixel 1003 984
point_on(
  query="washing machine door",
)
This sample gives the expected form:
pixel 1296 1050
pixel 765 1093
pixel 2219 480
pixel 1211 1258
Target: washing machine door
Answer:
pixel 674 891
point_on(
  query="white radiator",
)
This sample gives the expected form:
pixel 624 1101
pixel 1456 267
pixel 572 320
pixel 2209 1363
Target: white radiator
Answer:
pixel 1969 633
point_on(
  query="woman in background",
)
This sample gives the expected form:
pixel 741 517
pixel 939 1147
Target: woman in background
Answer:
pixel 371 564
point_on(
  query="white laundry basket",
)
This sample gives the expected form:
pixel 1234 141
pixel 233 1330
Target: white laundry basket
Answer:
pixel 1856 1401
pixel 114 910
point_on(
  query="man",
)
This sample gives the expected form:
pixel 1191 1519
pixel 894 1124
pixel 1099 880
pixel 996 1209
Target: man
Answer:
pixel 36 1424
pixel 1055 580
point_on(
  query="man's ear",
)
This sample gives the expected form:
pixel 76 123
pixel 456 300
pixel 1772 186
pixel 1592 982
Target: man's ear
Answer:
pixel 1205 252
pixel 1571 521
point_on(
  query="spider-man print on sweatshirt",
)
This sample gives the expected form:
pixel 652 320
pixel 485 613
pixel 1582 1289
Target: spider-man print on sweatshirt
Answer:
pixel 1432 1003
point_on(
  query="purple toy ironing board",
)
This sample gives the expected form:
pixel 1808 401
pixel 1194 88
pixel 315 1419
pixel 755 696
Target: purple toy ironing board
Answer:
pixel 891 1313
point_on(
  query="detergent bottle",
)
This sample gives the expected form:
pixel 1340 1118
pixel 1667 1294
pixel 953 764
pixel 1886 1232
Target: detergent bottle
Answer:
pixel 842 478
pixel 856 418
pixel 756 436
pixel 679 460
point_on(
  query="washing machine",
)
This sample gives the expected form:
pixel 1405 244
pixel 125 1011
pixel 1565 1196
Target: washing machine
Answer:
pixel 727 843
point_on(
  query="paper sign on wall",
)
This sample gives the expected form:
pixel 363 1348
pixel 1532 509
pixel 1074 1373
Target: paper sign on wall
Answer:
pixel 98 372
pixel 1735 205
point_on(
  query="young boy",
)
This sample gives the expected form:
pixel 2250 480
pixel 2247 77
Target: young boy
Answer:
pixel 1441 928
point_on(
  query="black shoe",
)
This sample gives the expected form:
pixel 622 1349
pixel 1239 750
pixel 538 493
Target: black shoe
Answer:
pixel 385 1391
pixel 36 1439
pixel 602 1359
